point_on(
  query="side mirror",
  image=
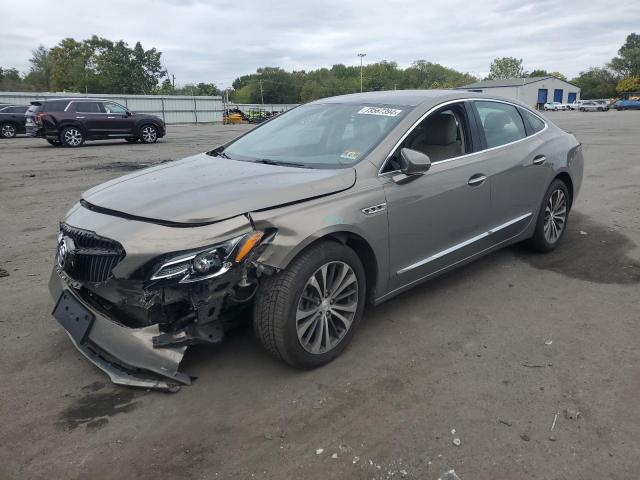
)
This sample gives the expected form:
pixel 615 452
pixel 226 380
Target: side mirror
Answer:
pixel 128 113
pixel 414 162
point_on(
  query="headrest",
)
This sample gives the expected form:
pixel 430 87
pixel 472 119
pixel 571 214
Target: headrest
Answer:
pixel 440 129
pixel 496 121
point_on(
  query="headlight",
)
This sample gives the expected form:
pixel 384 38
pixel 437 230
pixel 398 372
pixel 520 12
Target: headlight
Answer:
pixel 209 262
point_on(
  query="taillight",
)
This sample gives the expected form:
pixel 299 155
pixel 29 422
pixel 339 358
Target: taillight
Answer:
pixel 39 117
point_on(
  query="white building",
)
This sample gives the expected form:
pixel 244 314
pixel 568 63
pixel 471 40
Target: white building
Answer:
pixel 533 91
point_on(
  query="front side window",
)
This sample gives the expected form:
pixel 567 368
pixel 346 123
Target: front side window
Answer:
pixel 501 123
pixel 111 107
pixel 88 107
pixel 331 135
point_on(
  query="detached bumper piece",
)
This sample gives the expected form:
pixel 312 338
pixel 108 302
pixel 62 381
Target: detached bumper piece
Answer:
pixel 127 355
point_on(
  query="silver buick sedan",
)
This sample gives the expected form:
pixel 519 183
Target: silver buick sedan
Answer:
pixel 301 223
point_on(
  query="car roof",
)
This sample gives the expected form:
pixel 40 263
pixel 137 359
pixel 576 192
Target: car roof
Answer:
pixel 413 98
pixel 70 99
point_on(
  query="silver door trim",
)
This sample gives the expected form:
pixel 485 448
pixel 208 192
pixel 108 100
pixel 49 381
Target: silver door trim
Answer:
pixel 460 245
pixel 449 102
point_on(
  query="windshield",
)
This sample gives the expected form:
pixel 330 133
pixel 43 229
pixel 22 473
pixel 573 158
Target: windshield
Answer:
pixel 328 135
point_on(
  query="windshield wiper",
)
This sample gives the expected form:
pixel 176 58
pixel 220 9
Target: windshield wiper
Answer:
pixel 221 154
pixel 268 161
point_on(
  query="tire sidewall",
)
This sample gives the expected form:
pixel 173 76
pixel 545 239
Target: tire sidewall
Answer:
pixel 539 236
pixel 15 130
pixel 332 251
pixel 64 143
pixel 141 137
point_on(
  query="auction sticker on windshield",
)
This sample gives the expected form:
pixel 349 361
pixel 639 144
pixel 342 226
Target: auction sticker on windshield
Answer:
pixel 386 112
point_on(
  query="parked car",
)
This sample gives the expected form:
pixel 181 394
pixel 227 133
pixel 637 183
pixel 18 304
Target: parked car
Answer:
pixel 592 106
pixel 555 106
pixel 334 204
pixel 627 105
pixel 12 120
pixel 70 122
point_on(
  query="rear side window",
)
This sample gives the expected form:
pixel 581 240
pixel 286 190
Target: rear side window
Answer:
pixel 88 107
pixel 16 110
pixel 535 122
pixel 55 106
pixel 501 123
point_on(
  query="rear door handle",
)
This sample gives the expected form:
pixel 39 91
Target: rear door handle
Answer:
pixel 477 179
pixel 79 117
pixel 539 160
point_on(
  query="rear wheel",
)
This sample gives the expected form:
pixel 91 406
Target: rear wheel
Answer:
pixel 8 130
pixel 552 218
pixel 148 134
pixel 71 137
pixel 306 315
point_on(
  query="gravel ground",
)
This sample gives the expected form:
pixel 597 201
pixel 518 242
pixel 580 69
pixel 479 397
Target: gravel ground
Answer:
pixel 488 354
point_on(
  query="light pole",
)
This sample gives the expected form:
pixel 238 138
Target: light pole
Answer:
pixel 361 55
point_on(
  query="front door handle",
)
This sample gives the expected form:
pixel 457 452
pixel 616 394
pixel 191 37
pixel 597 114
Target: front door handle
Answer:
pixel 477 179
pixel 539 160
pixel 111 117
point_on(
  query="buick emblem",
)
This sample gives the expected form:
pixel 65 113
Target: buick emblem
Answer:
pixel 65 253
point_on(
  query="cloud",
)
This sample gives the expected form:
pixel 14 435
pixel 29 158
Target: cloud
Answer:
pixel 216 41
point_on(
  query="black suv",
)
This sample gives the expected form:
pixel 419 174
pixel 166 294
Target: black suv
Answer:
pixel 69 122
pixel 12 120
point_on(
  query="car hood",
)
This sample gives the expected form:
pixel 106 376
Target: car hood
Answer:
pixel 205 189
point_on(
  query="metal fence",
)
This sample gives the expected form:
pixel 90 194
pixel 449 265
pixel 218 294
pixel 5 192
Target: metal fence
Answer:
pixel 171 108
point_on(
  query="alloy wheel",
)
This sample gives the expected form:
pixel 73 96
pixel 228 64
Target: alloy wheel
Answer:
pixel 149 134
pixel 327 307
pixel 555 216
pixel 72 137
pixel 8 131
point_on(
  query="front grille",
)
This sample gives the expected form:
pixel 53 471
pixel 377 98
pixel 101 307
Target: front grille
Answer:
pixel 94 257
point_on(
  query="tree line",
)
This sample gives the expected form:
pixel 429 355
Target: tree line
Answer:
pixel 99 65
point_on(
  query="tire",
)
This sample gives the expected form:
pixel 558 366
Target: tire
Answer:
pixel 55 142
pixel 8 130
pixel 547 235
pixel 280 301
pixel 148 133
pixel 71 137
pixel 132 139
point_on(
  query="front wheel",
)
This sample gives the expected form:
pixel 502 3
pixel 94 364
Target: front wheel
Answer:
pixel 552 218
pixel 8 130
pixel 148 134
pixel 72 137
pixel 306 315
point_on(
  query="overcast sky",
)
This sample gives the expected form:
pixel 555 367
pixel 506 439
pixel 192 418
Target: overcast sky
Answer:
pixel 216 41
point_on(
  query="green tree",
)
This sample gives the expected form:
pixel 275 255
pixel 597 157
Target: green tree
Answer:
pixel 39 76
pixel 506 67
pixel 538 73
pixel 629 85
pixel 627 63
pixel 10 80
pixel 596 83
pixel 558 75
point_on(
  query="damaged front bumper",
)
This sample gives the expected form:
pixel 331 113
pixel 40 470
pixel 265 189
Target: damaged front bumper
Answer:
pixel 126 354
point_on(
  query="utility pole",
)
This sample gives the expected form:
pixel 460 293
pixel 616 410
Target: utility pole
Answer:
pixel 173 80
pixel 361 55
pixel 261 94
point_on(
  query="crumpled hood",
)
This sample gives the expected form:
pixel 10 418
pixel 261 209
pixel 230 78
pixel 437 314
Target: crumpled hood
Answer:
pixel 206 189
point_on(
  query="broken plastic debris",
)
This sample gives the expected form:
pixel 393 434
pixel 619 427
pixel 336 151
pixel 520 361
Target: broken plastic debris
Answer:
pixel 335 455
pixel 457 442
pixel 450 475
pixel 453 431
pixel 571 414
pixel 356 460
pixel 319 451
pixel 548 342
pixel 582 232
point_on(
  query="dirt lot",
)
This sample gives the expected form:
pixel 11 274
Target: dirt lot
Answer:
pixel 493 350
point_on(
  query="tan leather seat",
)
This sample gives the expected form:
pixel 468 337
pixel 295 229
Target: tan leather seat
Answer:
pixel 438 137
